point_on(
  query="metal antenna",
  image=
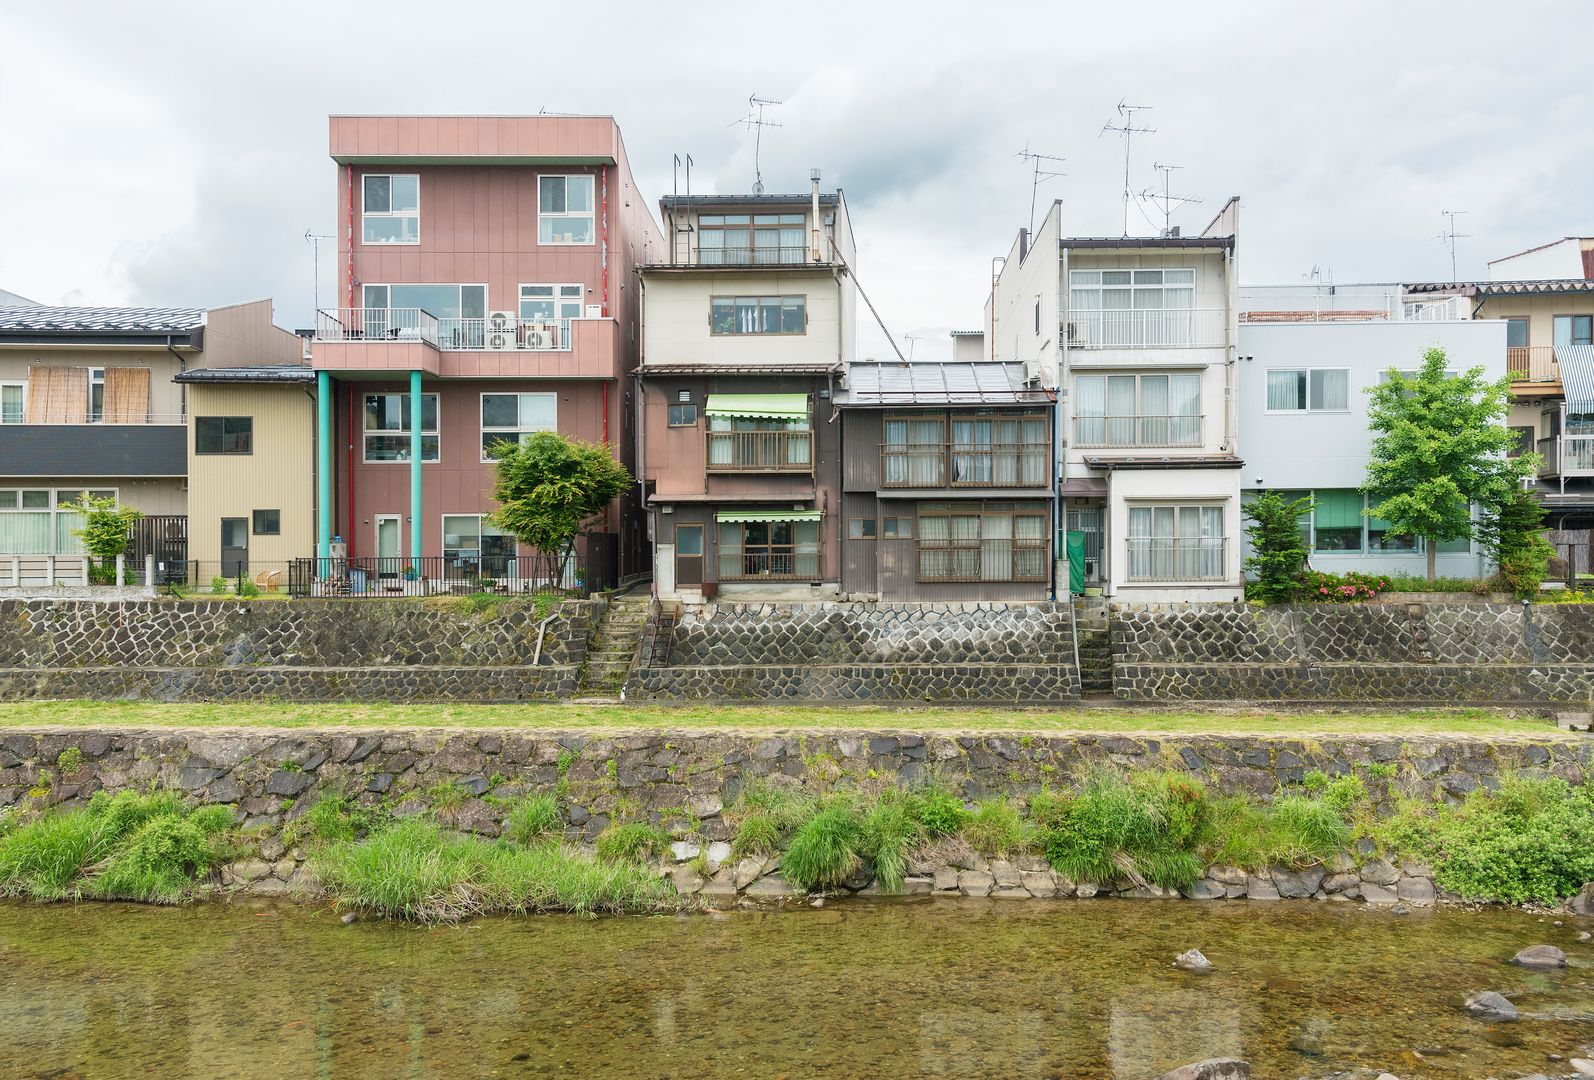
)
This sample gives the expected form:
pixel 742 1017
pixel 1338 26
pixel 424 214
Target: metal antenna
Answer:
pixel 1450 236
pixel 755 120
pixel 1167 198
pixel 314 240
pixel 1127 129
pixel 1039 174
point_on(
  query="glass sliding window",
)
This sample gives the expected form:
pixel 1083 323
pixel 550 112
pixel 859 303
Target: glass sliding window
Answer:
pixel 982 542
pixel 392 208
pixel 511 417
pixel 1286 390
pixel 1329 390
pixel 1131 307
pixel 913 453
pixel 13 402
pixel 751 239
pixel 1382 537
pixel 1308 389
pixel 1176 543
pixel 999 451
pixel 757 443
pixel 768 549
pixel 387 422
pixel 41 521
pixel 552 304
pixel 396 311
pixel 758 315
pixel 96 395
pixel 1137 410
pixel 1337 520
pixel 564 209
pixel 224 434
pixel 1573 330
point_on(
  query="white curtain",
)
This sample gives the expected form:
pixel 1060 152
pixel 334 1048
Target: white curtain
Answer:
pixel 996 547
pixel 1286 390
pixel 1331 389
pixel 1121 410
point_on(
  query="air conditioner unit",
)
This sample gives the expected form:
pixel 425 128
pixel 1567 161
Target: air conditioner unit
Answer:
pixel 538 336
pixel 500 330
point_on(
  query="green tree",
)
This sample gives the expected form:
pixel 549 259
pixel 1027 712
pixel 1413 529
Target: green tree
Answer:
pixel 1278 550
pixel 1439 448
pixel 1512 534
pixel 106 532
pixel 549 486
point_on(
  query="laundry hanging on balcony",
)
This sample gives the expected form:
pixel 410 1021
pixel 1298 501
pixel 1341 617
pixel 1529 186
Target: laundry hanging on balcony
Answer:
pixel 762 406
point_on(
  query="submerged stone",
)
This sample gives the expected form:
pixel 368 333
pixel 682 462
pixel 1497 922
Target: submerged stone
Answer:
pixel 1540 956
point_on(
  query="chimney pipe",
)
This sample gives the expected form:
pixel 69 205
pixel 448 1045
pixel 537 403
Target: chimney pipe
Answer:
pixel 813 183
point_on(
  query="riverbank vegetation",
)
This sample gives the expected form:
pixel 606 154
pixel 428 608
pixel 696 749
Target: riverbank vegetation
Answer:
pixel 1189 720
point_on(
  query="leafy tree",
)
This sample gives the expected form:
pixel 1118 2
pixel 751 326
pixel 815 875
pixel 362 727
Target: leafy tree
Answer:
pixel 106 531
pixel 1279 551
pixel 1440 446
pixel 1512 534
pixel 549 486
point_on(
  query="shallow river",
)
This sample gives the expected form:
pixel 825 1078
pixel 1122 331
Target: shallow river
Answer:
pixel 939 988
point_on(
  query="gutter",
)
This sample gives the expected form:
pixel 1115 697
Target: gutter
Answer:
pixel 182 389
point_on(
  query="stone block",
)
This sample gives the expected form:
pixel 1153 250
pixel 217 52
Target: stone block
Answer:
pixel 1417 891
pixel 975 882
pixel 1260 888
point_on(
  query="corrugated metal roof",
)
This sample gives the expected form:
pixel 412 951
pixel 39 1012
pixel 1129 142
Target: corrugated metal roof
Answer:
pixel 1147 242
pixel 1544 286
pixel 266 373
pixel 954 383
pixel 818 367
pixel 101 320
pixel 670 202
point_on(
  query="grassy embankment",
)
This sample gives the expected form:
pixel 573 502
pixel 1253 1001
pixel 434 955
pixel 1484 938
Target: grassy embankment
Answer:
pixel 565 717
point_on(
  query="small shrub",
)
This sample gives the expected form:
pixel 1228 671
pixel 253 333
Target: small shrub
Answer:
pixel 1347 588
pixel 220 585
pixel 1531 840
pixel 826 849
pixel 1279 553
pixel 332 818
pixel 1303 830
pixel 765 816
pixel 633 841
pixel 445 796
pixel 164 857
pixel 1345 794
pixel 939 810
pixel 247 588
pixel 995 829
pixel 69 760
pixel 533 818
pixel 891 829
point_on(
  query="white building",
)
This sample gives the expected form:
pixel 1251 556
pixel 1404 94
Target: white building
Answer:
pixel 1305 364
pixel 1139 335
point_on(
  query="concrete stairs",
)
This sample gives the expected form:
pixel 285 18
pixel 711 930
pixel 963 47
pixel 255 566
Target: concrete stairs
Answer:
pixel 1093 636
pixel 613 647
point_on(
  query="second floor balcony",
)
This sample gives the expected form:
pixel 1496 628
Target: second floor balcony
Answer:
pixel 1137 432
pixel 1566 455
pixel 777 451
pixel 1532 364
pixel 1155 328
pixel 390 325
pixel 965 465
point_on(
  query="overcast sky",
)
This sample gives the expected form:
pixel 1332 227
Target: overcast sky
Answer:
pixel 179 159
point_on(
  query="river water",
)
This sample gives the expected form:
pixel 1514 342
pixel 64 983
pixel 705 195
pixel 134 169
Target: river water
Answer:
pixel 933 988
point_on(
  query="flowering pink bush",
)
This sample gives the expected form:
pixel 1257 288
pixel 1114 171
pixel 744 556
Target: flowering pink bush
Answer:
pixel 1341 588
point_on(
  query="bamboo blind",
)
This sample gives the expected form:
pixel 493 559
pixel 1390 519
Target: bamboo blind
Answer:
pixel 58 395
pixel 126 395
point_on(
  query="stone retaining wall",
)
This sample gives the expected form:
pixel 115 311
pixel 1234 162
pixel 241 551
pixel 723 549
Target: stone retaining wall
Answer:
pixel 832 651
pixel 683 782
pixel 311 650
pixel 1471 653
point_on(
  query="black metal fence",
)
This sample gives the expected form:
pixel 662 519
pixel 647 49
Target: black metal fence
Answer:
pixel 579 575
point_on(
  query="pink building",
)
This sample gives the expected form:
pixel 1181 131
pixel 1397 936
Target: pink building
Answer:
pixel 487 274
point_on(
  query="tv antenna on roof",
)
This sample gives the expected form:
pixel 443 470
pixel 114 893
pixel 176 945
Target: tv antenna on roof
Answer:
pixel 755 120
pixel 1042 169
pixel 1167 199
pixel 1451 236
pixel 1127 130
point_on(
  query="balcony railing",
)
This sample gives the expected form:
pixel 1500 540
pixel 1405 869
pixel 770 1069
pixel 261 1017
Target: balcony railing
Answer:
pixel 493 335
pixel 1567 455
pixel 176 419
pixel 376 324
pixel 1532 363
pixel 1177 559
pixel 753 256
pixel 760 451
pixel 964 465
pixel 788 565
pixel 1105 432
pixel 439 575
pixel 1169 328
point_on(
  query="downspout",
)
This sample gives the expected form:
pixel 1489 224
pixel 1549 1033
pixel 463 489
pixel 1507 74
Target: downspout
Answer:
pixel 348 455
pixel 1230 348
pixel 182 388
pixel 1059 511
pixel 813 185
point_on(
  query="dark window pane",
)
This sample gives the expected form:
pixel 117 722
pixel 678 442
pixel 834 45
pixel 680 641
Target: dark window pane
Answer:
pixel 500 410
pixel 267 522
pixel 378 194
pixel 207 434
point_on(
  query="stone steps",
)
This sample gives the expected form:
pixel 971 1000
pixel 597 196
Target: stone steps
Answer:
pixel 613 647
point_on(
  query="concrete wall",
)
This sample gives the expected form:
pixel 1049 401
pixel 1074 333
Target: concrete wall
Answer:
pixel 1561 259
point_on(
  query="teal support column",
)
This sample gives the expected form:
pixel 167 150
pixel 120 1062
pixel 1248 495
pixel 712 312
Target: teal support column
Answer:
pixel 415 470
pixel 323 471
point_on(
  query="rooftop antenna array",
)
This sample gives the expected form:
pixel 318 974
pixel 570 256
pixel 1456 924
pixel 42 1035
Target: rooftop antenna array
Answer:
pixel 1167 199
pixel 1126 129
pixel 1450 236
pixel 314 240
pixel 1043 168
pixel 755 120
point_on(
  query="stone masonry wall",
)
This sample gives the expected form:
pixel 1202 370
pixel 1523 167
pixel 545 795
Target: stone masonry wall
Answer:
pixel 683 782
pixel 1504 654
pixel 1013 653
pixel 321 650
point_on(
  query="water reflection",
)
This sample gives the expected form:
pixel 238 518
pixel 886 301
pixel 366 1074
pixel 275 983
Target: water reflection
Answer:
pixel 931 988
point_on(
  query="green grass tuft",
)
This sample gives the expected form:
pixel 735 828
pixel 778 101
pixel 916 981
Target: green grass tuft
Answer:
pixel 533 818
pixel 891 829
pixel 995 829
pixel 632 841
pixel 765 815
pixel 827 848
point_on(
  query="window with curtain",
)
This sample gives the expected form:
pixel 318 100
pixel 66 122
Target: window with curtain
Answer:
pixel 1176 543
pixel 914 452
pixel 1137 410
pixel 768 549
pixel 39 521
pixel 989 542
pixel 757 443
pixel 999 451
pixel 13 402
pixel 1152 307
pixel 751 239
pixel 758 314
pixel 1337 520
pixel 1308 389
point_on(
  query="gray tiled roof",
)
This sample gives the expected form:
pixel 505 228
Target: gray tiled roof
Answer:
pixel 255 373
pixel 956 383
pixel 100 320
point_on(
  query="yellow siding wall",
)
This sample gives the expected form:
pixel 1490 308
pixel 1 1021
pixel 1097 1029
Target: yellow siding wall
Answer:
pixel 1540 311
pixel 279 475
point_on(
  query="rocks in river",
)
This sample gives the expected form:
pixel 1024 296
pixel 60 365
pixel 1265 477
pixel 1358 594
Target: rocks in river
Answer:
pixel 1298 884
pixel 1583 902
pixel 1380 872
pixel 1540 956
pixel 350 918
pixel 1491 1006
pixel 1204 889
pixel 1308 1041
pixel 1582 1066
pixel 1260 888
pixel 1585 936
pixel 1415 890
pixel 771 887
pixel 1211 1069
pixel 718 852
pixel 975 883
pixel 1192 960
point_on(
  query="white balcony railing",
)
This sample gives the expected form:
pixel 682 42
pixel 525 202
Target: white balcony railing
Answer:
pixel 376 324
pixel 1166 328
pixel 1567 455
pixel 1176 558
pixel 1105 432
pixel 124 420
pixel 500 335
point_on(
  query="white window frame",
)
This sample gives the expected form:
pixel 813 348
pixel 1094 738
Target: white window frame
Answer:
pixel 96 379
pixel 390 213
pixel 565 293
pixel 23 386
pixel 52 511
pixel 1306 406
pixel 366 433
pixel 558 215
pixel 520 429
pixel 1081 280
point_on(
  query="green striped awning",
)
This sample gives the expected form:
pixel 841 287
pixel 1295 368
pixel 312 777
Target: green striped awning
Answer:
pixel 735 517
pixel 772 406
